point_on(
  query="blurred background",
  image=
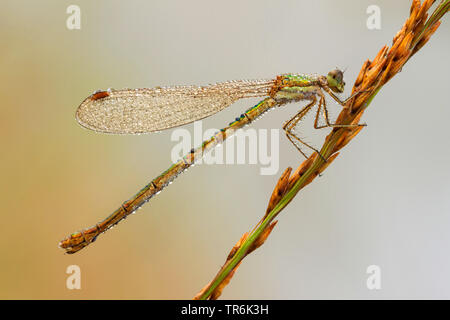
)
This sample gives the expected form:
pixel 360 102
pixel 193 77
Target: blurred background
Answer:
pixel 384 201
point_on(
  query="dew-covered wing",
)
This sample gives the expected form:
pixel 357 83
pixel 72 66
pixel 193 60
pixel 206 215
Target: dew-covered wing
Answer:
pixel 149 110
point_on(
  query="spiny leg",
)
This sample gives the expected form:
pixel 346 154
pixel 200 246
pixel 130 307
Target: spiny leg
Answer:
pixel 288 126
pixel 336 98
pixel 322 104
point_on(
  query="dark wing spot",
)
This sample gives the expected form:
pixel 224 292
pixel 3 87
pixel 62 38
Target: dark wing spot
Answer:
pixel 99 95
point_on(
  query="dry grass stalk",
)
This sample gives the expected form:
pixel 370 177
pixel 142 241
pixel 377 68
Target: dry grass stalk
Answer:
pixel 414 34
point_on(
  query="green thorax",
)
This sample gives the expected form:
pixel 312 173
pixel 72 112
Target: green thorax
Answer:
pixel 298 80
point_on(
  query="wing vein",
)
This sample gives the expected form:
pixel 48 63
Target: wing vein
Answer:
pixel 148 110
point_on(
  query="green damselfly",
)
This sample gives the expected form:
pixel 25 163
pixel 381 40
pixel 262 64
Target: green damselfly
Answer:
pixel 133 111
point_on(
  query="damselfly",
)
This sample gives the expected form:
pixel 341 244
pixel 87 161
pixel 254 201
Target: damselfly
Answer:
pixel 135 111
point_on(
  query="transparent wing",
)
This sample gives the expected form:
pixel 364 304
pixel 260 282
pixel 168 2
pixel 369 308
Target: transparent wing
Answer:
pixel 149 110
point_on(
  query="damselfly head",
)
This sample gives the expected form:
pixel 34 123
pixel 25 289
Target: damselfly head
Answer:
pixel 335 79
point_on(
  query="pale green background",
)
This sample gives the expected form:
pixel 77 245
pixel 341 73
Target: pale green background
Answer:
pixel 384 201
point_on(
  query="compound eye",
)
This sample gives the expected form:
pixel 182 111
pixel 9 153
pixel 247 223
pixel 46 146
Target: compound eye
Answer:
pixel 336 75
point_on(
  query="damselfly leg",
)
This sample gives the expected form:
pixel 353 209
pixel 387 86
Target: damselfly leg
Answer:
pixel 323 105
pixel 292 123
